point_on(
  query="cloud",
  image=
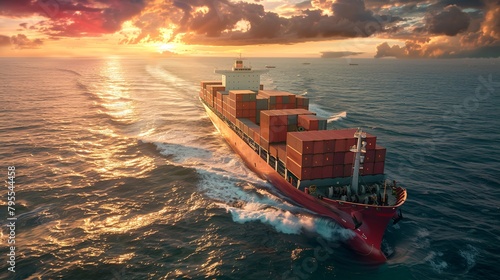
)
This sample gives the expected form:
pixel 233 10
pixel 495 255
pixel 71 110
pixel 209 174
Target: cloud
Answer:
pixel 216 24
pixel 450 21
pixel 76 18
pixel 450 32
pixel 20 41
pixel 4 41
pixel 338 54
pixel 430 28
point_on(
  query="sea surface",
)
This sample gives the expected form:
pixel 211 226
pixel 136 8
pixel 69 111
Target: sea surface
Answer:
pixel 119 174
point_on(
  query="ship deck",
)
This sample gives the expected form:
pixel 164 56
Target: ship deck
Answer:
pixel 371 193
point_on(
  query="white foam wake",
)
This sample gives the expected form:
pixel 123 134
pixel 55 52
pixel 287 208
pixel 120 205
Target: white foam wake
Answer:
pixel 336 117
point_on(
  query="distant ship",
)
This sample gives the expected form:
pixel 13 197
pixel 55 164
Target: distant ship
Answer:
pixel 270 66
pixel 338 174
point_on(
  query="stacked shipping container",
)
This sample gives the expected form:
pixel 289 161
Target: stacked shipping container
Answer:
pixel 242 104
pixel 279 99
pixel 326 154
pixel 301 102
pixel 312 154
pixel 275 124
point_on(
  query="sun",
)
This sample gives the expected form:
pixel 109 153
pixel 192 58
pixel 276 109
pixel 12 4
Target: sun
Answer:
pixel 166 47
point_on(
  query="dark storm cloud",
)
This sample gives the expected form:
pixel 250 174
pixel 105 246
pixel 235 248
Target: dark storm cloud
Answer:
pixel 449 22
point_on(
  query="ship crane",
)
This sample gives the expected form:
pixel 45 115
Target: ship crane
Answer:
pixel 359 149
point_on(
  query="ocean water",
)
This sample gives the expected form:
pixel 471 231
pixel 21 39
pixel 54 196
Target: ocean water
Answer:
pixel 119 174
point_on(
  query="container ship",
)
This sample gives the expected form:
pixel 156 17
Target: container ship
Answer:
pixel 338 174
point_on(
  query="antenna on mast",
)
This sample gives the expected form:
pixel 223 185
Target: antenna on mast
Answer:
pixel 360 150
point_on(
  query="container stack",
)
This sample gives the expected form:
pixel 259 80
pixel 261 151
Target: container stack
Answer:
pixel 301 102
pixel 311 122
pixel 211 92
pixel 208 91
pixel 274 124
pixel 262 103
pixel 242 104
pixel 279 99
pixel 249 128
pixel 219 100
pixel 326 154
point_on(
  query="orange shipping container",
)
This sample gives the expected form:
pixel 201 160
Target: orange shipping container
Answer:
pixel 300 159
pixel 302 142
pixel 303 173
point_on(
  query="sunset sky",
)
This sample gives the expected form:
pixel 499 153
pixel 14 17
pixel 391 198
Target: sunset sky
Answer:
pixel 357 28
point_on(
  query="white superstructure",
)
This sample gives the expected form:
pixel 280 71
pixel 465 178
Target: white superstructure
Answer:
pixel 241 77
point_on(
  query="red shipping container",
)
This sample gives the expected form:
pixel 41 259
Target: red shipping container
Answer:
pixel 338 171
pixel 318 160
pixel 338 158
pixel 371 142
pixel 340 145
pixel 370 156
pixel 347 170
pixel 380 153
pixel 378 168
pixel 275 137
pixel 302 142
pixel 327 171
pixel 349 158
pixel 328 159
pixel 329 145
pixel 318 147
pixel 349 143
pixel 367 168
pixel 317 172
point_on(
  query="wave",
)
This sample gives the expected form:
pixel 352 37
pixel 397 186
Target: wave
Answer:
pixel 68 71
pixel 336 117
pixel 225 179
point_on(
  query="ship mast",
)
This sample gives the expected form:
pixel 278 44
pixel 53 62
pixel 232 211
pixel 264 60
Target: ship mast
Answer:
pixel 360 150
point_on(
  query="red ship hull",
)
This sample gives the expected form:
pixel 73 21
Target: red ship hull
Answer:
pixel 366 239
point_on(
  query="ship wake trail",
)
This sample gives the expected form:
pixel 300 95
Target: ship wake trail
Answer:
pixel 226 180
pixel 336 117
